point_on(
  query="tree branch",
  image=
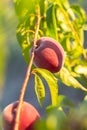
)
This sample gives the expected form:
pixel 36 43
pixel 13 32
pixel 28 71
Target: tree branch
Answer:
pixel 28 73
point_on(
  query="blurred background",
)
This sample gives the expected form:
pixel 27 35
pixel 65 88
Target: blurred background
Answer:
pixel 13 66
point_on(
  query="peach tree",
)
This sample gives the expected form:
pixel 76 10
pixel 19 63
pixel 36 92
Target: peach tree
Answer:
pixel 51 36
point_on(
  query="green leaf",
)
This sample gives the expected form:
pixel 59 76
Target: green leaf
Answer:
pixel 64 3
pixel 51 21
pixel 51 81
pixel 63 101
pixel 24 33
pixel 55 119
pixel 80 12
pixel 39 89
pixel 65 76
pixel 24 7
pixel 74 52
pixel 71 21
pixel 80 69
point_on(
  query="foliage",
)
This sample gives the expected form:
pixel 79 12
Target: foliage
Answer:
pixel 65 23
pixel 8 23
pixel 51 81
pixel 56 119
pixel 3 49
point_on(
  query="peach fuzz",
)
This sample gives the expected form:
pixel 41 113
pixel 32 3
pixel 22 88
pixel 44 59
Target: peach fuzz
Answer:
pixel 49 54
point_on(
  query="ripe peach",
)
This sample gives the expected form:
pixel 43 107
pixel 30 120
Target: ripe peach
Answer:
pixel 28 116
pixel 49 54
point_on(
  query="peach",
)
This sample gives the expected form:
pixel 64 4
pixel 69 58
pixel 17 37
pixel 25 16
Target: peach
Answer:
pixel 28 116
pixel 49 54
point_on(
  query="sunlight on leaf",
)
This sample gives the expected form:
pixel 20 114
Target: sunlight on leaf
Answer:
pixel 65 76
pixel 51 21
pixel 39 89
pixel 24 7
pixel 80 69
pixel 63 22
pixel 24 35
pixel 51 81
pixel 80 12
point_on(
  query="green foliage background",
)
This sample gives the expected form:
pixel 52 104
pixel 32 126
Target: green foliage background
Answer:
pixel 67 25
pixel 8 23
pixel 64 22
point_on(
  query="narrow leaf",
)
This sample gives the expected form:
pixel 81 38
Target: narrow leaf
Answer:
pixel 80 12
pixel 51 81
pixel 69 80
pixel 80 69
pixel 24 33
pixel 51 21
pixel 24 7
pixel 39 89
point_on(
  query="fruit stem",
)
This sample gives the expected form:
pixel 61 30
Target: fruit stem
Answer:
pixel 28 73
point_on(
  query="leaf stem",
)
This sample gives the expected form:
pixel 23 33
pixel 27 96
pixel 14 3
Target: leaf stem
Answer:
pixel 28 73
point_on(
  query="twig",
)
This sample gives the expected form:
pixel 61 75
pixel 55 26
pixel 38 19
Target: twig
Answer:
pixel 28 73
